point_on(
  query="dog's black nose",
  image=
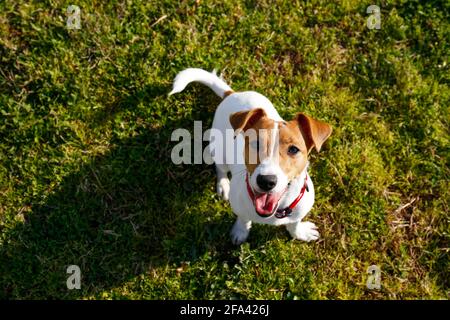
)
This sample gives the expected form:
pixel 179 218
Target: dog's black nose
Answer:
pixel 266 182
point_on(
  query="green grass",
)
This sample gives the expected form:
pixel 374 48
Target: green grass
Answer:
pixel 85 170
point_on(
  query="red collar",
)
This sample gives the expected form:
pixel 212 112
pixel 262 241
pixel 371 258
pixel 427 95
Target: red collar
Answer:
pixel 281 213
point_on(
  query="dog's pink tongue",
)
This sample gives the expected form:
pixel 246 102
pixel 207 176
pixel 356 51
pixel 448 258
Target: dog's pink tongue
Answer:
pixel 265 203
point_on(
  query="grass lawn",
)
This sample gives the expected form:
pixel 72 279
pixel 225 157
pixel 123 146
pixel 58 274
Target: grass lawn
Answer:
pixel 85 171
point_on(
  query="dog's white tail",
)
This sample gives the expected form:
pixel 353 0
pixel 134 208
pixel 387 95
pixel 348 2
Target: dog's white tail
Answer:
pixel 209 79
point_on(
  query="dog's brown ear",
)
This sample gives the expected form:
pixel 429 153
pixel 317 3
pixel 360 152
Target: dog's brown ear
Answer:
pixel 243 120
pixel 314 132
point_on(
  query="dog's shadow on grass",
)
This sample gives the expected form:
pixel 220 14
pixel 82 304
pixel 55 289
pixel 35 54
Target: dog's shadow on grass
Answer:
pixel 121 215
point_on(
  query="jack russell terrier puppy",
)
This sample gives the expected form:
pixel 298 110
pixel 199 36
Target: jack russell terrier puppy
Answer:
pixel 269 181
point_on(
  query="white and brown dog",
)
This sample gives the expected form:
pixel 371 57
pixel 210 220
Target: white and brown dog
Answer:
pixel 272 187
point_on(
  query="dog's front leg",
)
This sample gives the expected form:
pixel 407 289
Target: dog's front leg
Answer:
pixel 306 231
pixel 240 231
pixel 223 183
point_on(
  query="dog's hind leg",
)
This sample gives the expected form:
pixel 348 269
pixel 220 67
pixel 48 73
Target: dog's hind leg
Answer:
pixel 223 182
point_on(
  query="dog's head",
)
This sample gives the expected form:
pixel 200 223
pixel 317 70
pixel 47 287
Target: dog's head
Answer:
pixel 276 152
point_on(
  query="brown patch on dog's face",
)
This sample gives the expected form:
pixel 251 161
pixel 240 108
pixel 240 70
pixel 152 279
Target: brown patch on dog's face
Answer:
pixel 295 139
pixel 292 149
pixel 250 124
pixel 258 139
pixel 258 142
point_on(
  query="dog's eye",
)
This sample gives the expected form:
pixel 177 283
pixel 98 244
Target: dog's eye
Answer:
pixel 255 144
pixel 293 150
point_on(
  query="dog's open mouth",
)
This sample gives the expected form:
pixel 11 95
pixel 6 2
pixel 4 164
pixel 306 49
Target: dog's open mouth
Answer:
pixel 267 203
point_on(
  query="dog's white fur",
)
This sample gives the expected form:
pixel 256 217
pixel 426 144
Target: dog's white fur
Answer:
pixel 236 190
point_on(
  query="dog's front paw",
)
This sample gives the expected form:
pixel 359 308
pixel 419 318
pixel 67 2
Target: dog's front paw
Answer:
pixel 239 232
pixel 306 231
pixel 223 188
